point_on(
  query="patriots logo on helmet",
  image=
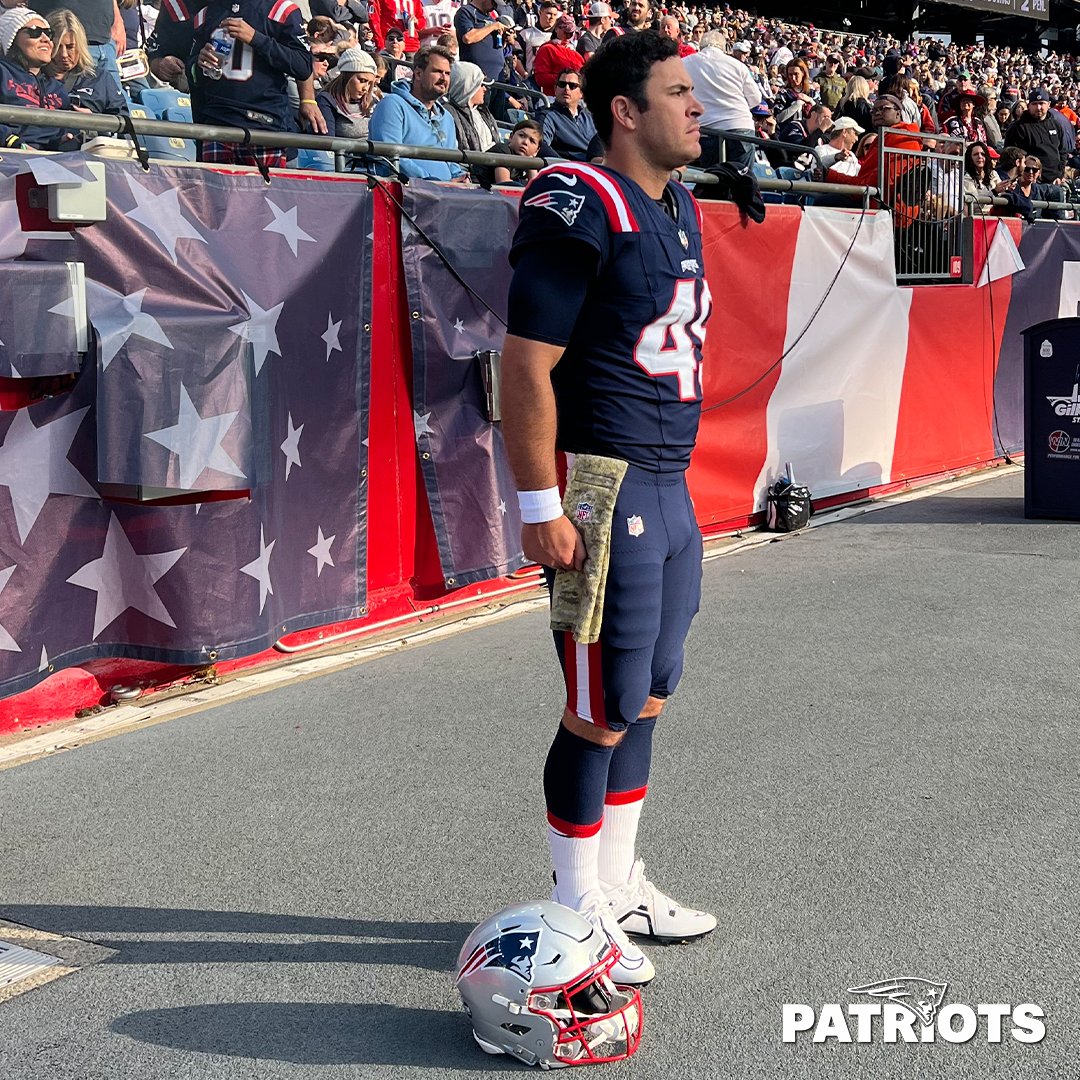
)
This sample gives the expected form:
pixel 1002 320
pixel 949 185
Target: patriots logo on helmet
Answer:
pixel 512 949
pixel 565 204
pixel 920 997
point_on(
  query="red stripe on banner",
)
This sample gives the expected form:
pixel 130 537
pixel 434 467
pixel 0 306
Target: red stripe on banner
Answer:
pixel 570 670
pixel 946 416
pixel 623 798
pixel 744 337
pixel 568 828
pixel 596 686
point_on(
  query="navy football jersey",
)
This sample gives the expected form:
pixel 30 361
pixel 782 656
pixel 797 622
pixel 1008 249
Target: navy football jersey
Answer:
pixel 628 385
pixel 252 92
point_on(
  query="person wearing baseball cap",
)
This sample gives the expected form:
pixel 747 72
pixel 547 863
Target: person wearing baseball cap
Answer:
pixel 838 147
pixel 598 20
pixel 557 55
pixel 1036 133
pixel 27 43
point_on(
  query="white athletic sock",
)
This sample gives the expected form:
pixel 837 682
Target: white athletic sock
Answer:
pixel 618 839
pixel 574 860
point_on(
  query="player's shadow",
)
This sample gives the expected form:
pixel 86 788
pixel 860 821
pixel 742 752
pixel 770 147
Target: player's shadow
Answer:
pixel 315 1034
pixel 429 945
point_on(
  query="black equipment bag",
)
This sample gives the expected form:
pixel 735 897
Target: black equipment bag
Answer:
pixel 789 506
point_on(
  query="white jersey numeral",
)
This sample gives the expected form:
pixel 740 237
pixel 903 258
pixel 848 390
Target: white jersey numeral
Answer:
pixel 240 65
pixel 669 344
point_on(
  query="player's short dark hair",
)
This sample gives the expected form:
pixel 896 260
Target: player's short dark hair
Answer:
pixel 620 68
pixel 425 53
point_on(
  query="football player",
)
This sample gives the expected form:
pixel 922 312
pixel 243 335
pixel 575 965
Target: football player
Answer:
pixel 245 85
pixel 607 313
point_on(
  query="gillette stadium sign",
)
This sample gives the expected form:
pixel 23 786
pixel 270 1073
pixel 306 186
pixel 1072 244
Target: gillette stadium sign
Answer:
pixel 1031 9
pixel 912 1011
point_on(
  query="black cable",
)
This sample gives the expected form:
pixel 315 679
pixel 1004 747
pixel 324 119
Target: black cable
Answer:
pixel 435 247
pixel 802 333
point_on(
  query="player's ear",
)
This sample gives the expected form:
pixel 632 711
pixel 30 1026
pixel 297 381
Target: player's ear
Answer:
pixel 624 112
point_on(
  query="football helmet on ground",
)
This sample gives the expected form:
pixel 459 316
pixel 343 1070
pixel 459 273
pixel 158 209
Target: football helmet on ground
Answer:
pixel 535 983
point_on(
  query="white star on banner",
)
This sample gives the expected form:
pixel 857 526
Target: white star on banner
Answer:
pixel 116 318
pixel 330 336
pixel 291 447
pixel 196 441
pixel 123 579
pixel 14 373
pixel 43 664
pixel 161 214
pixel 260 328
pixel 286 225
pixel 502 507
pixel 7 642
pixel 259 569
pixel 421 425
pixel 34 465
pixel 459 326
pixel 321 552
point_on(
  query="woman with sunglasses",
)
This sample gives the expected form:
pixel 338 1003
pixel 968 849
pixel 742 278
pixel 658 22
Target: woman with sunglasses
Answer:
pixel 27 43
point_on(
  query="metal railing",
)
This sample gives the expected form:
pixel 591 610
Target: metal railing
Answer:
pixel 15 116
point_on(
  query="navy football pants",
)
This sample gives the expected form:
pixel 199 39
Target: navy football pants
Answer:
pixel 653 593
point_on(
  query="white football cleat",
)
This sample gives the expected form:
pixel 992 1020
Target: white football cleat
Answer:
pixel 633 967
pixel 642 909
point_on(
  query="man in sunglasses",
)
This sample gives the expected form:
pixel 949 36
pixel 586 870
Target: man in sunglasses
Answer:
pixel 27 46
pixel 568 126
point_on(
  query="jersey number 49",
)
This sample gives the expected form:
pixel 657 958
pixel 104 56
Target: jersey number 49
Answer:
pixel 671 343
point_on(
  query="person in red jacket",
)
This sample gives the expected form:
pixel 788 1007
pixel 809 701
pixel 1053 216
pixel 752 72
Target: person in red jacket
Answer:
pixel 557 55
pixel 406 15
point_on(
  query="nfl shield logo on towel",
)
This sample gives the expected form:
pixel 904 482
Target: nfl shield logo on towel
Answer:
pixel 584 511
pixel 634 525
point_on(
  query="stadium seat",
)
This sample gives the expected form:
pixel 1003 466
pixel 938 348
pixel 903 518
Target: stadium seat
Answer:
pixel 141 112
pixel 177 114
pixel 170 149
pixel 515 116
pixel 316 160
pixel 162 98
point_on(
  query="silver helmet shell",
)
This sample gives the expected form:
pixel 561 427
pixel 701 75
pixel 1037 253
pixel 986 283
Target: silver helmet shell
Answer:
pixel 534 980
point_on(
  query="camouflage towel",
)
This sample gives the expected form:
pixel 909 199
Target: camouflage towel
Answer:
pixel 577 602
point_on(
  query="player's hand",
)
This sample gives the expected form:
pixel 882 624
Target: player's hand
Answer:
pixel 238 29
pixel 312 116
pixel 554 543
pixel 167 68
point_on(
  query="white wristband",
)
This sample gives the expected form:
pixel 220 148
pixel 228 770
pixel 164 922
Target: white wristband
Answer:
pixel 539 506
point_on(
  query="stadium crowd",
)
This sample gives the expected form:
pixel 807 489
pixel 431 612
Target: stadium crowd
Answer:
pixel 397 71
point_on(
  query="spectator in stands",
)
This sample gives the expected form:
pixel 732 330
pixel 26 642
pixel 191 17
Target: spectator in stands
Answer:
pixel 474 125
pixel 856 102
pixel 979 178
pixel 349 99
pixel 480 33
pixel 727 92
pixel 669 28
pixel 268 45
pixel 927 123
pixel 988 115
pixel 524 141
pixel 637 15
pixel 533 37
pixel 26 41
pixel 797 96
pixel 1038 135
pixel 411 114
pixel 343 12
pixel 394 50
pixel 818 126
pixel 964 124
pixel 71 64
pixel 404 15
pixel 567 125
pixel 838 151
pixel 557 55
pixel 599 19
pixel 104 26
pixel 322 30
pixel 324 59
pixel 526 13
pixel 831 84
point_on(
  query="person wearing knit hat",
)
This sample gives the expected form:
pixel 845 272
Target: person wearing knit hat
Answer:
pixel 27 44
pixel 349 99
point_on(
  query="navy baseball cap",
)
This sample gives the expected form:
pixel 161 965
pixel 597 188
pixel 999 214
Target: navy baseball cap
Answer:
pixel 1040 94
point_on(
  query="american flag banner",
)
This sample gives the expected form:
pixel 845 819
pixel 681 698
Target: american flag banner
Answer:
pixel 228 373
pixel 35 343
pixel 467 476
